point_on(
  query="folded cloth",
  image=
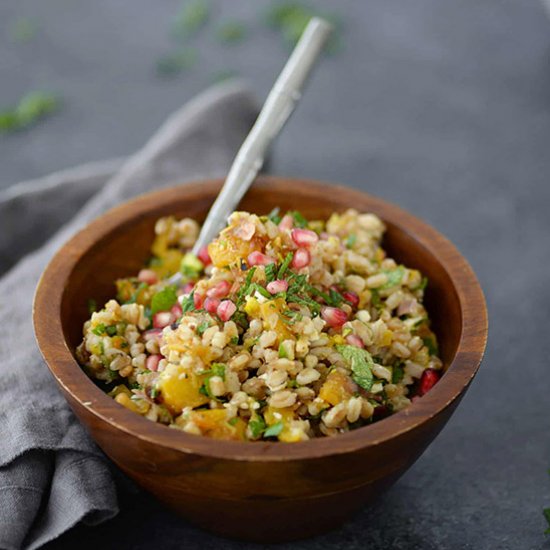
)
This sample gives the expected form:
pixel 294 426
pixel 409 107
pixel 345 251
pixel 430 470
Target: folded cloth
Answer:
pixel 52 475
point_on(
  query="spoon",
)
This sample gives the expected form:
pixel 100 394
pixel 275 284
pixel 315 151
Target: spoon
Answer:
pixel 278 107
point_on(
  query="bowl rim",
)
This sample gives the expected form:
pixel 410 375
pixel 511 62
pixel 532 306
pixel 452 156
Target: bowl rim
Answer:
pixel 75 383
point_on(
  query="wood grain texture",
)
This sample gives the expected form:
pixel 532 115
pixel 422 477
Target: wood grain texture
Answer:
pixel 261 491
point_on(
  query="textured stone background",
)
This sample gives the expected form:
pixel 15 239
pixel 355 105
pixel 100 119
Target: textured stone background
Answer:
pixel 440 106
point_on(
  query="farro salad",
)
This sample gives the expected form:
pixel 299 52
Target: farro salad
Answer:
pixel 282 329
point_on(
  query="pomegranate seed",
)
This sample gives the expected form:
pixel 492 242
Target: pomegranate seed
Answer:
pixel 152 362
pixel 163 319
pixel 257 258
pixel 152 334
pixel 198 300
pixel 354 340
pixel 429 379
pixel 286 223
pixel 304 237
pixel 351 297
pixel 280 285
pixel 203 255
pixel 211 305
pixel 176 311
pixel 225 310
pixel 219 290
pixel 147 276
pixel 333 316
pixel 301 258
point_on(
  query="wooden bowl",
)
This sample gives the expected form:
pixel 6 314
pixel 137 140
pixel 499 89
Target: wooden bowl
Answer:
pixel 259 491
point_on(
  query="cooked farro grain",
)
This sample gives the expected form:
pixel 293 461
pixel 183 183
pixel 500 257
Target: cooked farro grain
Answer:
pixel 283 329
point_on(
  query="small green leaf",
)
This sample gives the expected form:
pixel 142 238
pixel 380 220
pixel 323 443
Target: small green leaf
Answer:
pixel 202 327
pixel 350 241
pixel 218 369
pixel 233 421
pixel 546 513
pixel 282 351
pixel 111 330
pixel 299 220
pixel 99 329
pixel 361 365
pixel 188 303
pixel 274 430
pixel 257 426
pixel 275 216
pixel 164 299
pixel 431 343
pixel 234 340
pixel 397 374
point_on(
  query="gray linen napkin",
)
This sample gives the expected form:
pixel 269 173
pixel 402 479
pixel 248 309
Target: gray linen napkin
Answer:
pixel 51 474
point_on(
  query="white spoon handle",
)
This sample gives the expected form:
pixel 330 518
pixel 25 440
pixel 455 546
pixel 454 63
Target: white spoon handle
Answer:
pixel 279 105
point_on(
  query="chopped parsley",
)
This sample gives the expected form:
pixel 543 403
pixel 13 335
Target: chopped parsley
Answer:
pixel 257 426
pixel 299 220
pixel 284 265
pixel 202 327
pixel 188 303
pixel 431 343
pixel 99 329
pixel 361 365
pixel 397 374
pixel 350 241
pixel 275 215
pixel 274 430
pixel 270 272
pixel 164 299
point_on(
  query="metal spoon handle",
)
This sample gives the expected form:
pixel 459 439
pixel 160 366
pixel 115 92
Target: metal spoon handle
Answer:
pixel 279 105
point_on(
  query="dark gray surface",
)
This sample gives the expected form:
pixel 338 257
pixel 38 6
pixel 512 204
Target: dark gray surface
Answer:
pixel 440 106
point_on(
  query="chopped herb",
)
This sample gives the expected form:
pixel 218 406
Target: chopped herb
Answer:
pixel 350 241
pixel 292 384
pixel 270 272
pixel 154 393
pixel 233 421
pixel 192 17
pixel 243 291
pixel 202 327
pixel 285 264
pixel 397 374
pixel 111 330
pixel 546 513
pixel 204 391
pixel 188 303
pixel 394 277
pixel 231 32
pixel 336 298
pixel 274 430
pixel 257 426
pixel 255 287
pixel 361 365
pixel 299 220
pixel 92 306
pixel 375 299
pixel 164 299
pixel 283 354
pixel 31 108
pixel 431 343
pixel 275 216
pixel 99 329
pixel 218 369
pixel 423 284
pixel 178 62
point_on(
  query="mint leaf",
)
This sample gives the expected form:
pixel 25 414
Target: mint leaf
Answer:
pixel 274 430
pixel 361 365
pixel 164 300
